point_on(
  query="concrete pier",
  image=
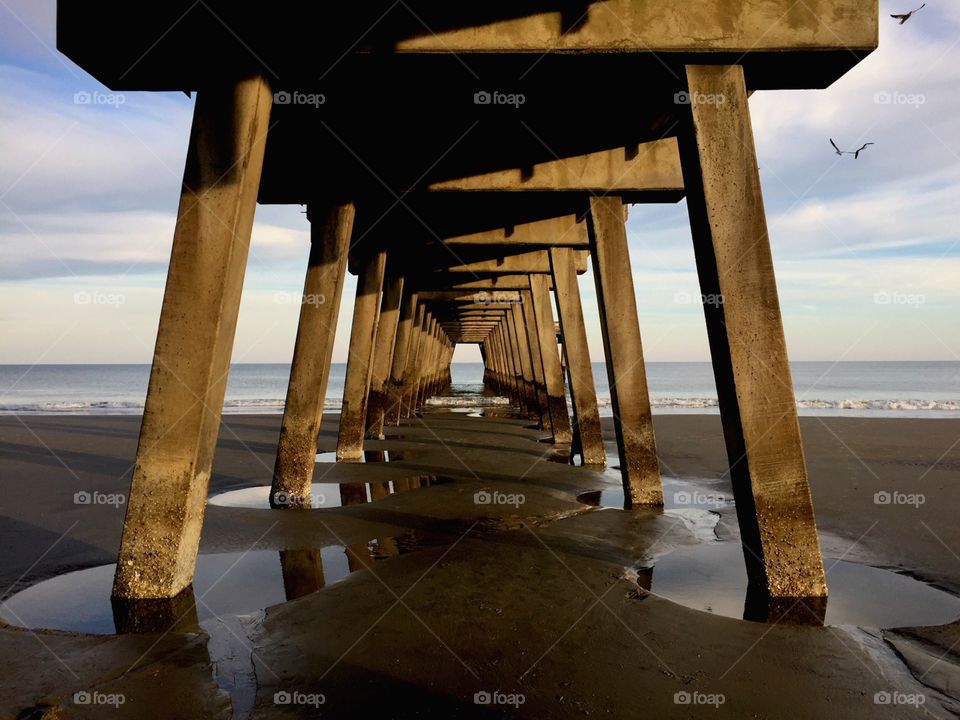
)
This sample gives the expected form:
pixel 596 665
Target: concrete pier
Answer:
pixel 745 329
pixel 583 392
pixel 552 371
pixel 330 230
pixel 356 385
pixel 188 380
pixel 626 372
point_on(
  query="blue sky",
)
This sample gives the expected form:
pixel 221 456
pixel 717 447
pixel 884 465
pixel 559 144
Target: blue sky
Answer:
pixel 867 252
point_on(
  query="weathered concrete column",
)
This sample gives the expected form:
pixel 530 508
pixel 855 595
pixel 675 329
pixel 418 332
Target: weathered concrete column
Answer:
pixel 583 391
pixel 413 365
pixel 422 355
pixel 626 372
pixel 356 385
pixel 552 371
pixel 383 354
pixel 198 319
pixel 524 364
pixel 401 352
pixel 529 325
pixel 429 362
pixel 330 230
pixel 745 329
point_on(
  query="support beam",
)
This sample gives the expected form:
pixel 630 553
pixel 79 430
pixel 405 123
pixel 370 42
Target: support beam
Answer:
pixel 383 354
pixel 330 230
pixel 401 357
pixel 188 380
pixel 626 373
pixel 356 385
pixel 542 312
pixel 745 330
pixel 412 370
pixel 583 392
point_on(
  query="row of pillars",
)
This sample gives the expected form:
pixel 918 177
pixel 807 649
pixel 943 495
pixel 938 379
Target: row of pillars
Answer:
pixel 392 371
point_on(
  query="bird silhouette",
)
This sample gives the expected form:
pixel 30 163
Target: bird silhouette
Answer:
pixel 855 153
pixel 906 16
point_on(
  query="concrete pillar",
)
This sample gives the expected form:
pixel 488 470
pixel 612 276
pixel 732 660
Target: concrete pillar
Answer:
pixel 552 370
pixel 422 356
pixel 401 351
pixel 413 366
pixel 754 385
pixel 524 365
pixel 429 359
pixel 356 385
pixel 626 372
pixel 383 354
pixel 529 325
pixel 188 380
pixel 583 391
pixel 330 230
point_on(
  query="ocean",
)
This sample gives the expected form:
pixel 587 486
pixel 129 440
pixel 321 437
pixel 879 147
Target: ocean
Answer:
pixel 893 389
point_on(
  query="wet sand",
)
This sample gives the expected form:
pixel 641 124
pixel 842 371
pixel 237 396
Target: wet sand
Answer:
pixel 542 600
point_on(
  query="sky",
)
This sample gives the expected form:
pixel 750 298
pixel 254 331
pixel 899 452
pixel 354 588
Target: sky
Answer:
pixel 867 251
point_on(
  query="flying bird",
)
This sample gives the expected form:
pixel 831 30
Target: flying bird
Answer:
pixel 855 153
pixel 906 16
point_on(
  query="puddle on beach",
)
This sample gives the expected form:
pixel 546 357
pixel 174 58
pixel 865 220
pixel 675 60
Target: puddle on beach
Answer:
pixel 678 494
pixel 369 456
pixel 329 495
pixel 234 583
pixel 712 577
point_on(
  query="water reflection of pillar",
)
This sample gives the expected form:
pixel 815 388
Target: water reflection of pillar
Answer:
pixel 302 572
pixel 150 615
pixel 759 606
pixel 379 490
pixel 353 494
pixel 374 456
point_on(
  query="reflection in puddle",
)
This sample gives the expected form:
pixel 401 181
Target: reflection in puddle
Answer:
pixel 234 583
pixel 329 495
pixel 368 456
pixel 678 494
pixel 713 578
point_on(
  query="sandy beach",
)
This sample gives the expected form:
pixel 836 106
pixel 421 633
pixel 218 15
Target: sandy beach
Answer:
pixel 544 600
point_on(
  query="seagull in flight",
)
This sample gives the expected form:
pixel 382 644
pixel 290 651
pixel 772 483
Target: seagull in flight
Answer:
pixel 855 153
pixel 906 16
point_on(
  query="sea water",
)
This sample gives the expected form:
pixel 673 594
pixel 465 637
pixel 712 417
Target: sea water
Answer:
pixel 874 389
